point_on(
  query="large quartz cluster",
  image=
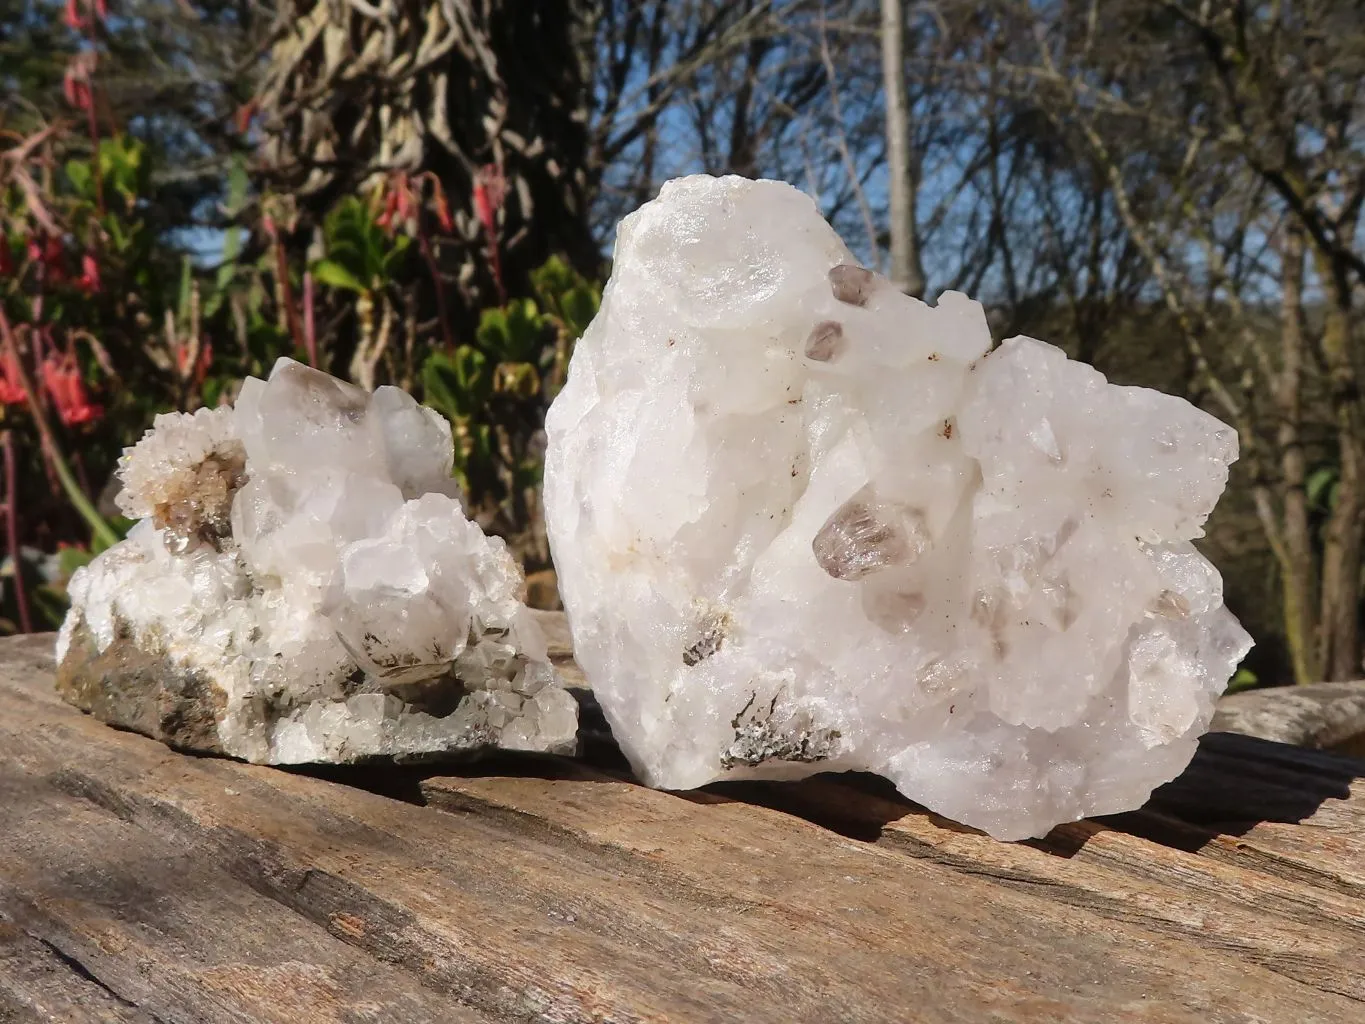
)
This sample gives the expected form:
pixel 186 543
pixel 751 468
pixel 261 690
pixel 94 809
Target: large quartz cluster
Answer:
pixel 302 586
pixel 805 523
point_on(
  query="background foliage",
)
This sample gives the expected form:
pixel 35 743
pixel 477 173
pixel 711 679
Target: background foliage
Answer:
pixel 423 192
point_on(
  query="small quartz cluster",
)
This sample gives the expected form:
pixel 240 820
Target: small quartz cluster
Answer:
pixel 803 522
pixel 303 586
pixel 183 474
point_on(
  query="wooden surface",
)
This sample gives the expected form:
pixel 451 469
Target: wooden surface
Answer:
pixel 137 884
pixel 1322 716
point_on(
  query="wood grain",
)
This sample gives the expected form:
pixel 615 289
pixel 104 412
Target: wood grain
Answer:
pixel 1327 716
pixel 137 884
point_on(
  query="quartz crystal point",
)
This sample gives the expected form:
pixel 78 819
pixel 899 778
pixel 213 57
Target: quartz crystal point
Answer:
pixel 805 523
pixel 302 586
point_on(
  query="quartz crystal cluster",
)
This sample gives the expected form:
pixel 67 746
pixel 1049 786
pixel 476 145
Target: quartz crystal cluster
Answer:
pixel 803 522
pixel 302 586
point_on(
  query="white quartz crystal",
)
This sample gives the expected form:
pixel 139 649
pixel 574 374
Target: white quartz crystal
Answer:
pixel 303 586
pixel 805 523
pixel 183 474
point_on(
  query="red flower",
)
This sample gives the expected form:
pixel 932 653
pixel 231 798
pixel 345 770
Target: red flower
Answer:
pixel 385 219
pixel 90 275
pixel 78 78
pixel 72 18
pixel 64 383
pixel 102 9
pixel 398 205
pixel 49 255
pixel 245 113
pixel 201 368
pixel 11 388
pixel 201 365
pixel 443 212
pixel 490 190
pixel 76 91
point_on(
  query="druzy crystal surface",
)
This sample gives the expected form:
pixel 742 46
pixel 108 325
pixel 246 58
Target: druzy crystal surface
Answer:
pixel 805 523
pixel 303 586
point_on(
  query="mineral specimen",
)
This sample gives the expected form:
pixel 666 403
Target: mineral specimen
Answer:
pixel 805 523
pixel 302 586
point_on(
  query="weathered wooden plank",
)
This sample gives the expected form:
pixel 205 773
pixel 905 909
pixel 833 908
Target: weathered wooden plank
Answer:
pixel 550 890
pixel 39 982
pixel 1008 898
pixel 163 932
pixel 478 930
pixel 560 646
pixel 1323 850
pixel 504 924
pixel 1319 857
pixel 1320 715
pixel 1288 927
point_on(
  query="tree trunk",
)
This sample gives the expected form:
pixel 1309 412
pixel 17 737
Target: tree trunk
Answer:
pixel 494 84
pixel 1341 557
pixel 743 134
pixel 907 271
pixel 1297 568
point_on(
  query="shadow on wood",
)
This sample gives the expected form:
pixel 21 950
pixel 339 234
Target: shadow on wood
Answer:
pixel 1233 784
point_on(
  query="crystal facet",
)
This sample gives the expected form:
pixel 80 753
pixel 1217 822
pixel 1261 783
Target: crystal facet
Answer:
pixel 303 586
pixel 803 522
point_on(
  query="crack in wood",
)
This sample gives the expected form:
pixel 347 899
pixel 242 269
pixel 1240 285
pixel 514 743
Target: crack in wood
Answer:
pixel 82 971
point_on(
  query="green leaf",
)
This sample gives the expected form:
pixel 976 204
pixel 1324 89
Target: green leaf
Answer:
pixel 519 379
pixel 78 173
pixel 71 559
pixel 123 166
pixel 356 242
pixel 186 289
pixel 1322 487
pixel 482 436
pixel 551 279
pixel 214 389
pixel 492 332
pixel 103 533
pixel 331 273
pixel 118 238
pixel 239 183
pixel 118 527
pixel 579 306
pixel 392 262
pixel 232 246
pixel 1243 679
pixel 516 333
pixel 526 330
pixel 51 604
pixel 224 276
pixel 456 384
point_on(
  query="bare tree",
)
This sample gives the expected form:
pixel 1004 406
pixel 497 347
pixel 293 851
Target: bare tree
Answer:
pixel 1228 140
pixel 906 269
